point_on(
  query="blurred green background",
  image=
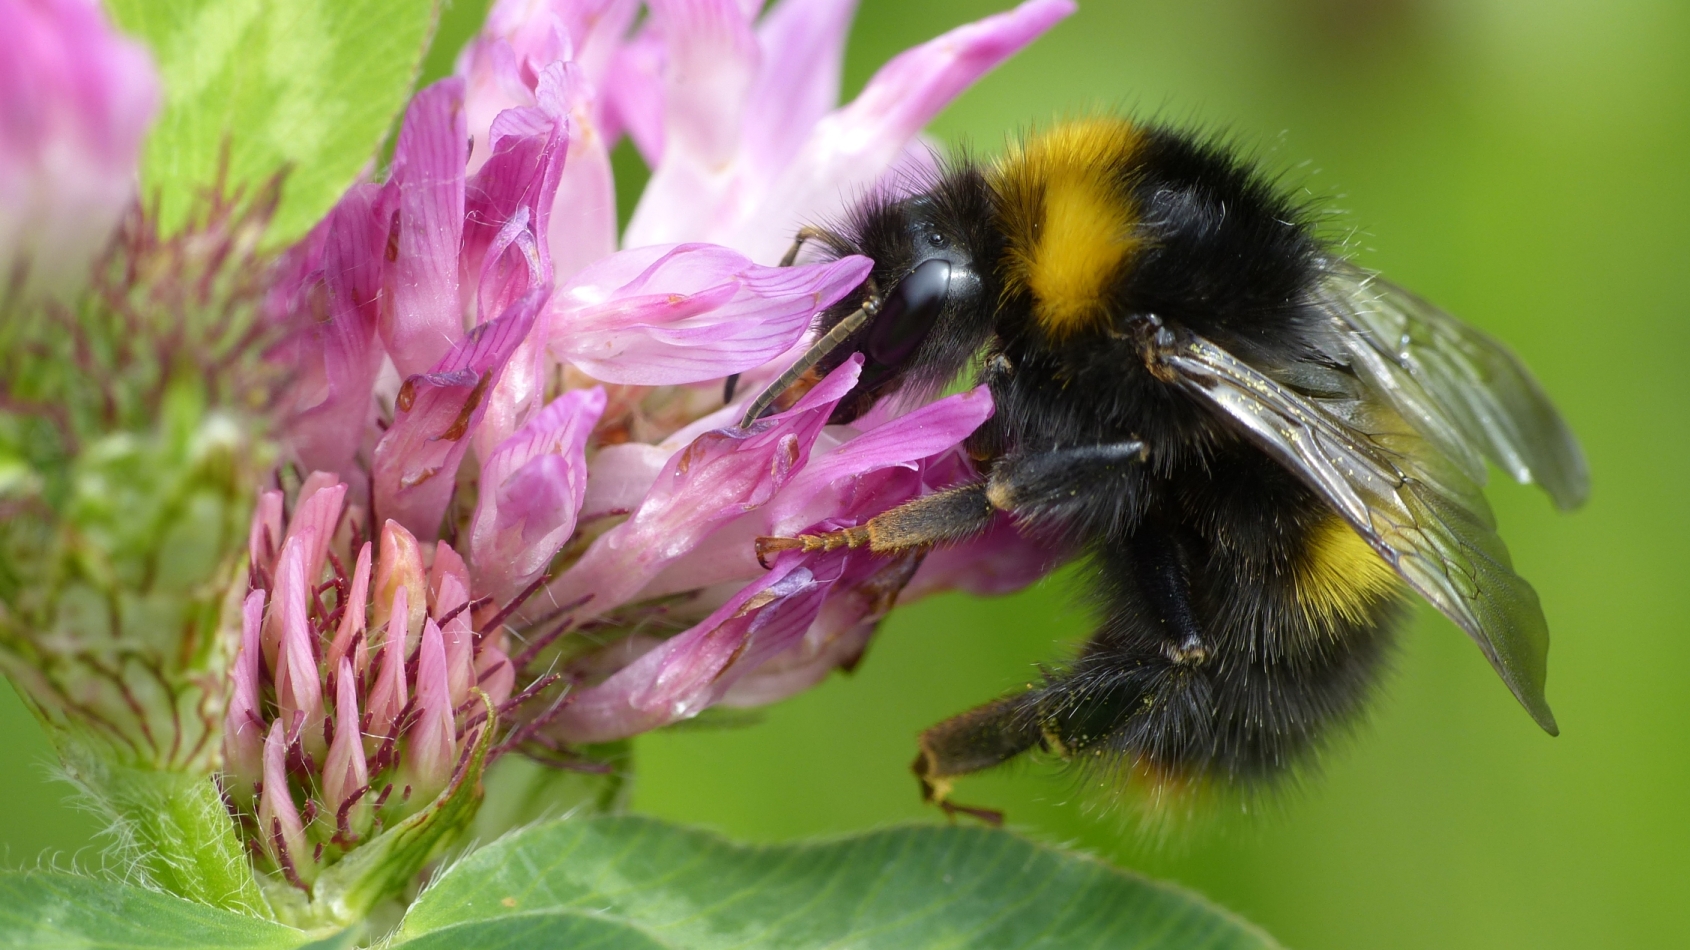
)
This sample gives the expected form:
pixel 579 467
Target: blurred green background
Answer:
pixel 1525 164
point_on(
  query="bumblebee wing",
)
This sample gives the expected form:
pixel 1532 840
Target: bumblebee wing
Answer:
pixel 1463 390
pixel 1425 516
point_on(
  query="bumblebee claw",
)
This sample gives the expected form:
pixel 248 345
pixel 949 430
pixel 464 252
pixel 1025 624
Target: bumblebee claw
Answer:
pixel 988 816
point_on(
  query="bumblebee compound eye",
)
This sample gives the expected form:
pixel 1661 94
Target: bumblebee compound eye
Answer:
pixel 908 313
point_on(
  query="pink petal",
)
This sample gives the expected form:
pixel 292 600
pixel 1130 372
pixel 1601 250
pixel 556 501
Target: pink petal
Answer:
pixel 416 462
pixel 345 771
pixel 619 477
pixel 458 638
pixel 399 564
pixel 680 678
pixel 685 674
pixel 317 511
pixel 825 488
pixel 298 271
pixel 299 685
pixel 338 359
pixel 276 809
pixel 522 37
pixel 264 539
pixel 516 184
pixel 691 312
pixel 316 482
pixel 524 59
pixel 447 566
pixel 388 696
pixel 430 746
pixel 531 490
pixel 505 241
pixel 803 46
pixel 596 28
pixel 849 150
pixel 840 487
pixel 243 725
pixel 634 91
pixel 712 61
pixel 495 675
pixel 352 620
pixel 868 588
pixel 76 99
pixel 721 475
pixel 803 666
pixel 583 218
pixel 498 67
pixel 421 318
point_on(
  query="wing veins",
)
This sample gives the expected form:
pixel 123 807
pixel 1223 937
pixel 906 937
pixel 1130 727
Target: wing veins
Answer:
pixel 1460 388
pixel 1435 530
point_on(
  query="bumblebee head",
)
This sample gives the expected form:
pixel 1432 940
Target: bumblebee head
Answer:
pixel 926 306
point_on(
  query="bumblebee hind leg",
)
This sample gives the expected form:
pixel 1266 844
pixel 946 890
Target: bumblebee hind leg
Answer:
pixel 1141 689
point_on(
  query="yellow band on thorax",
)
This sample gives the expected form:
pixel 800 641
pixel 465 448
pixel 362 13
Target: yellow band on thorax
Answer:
pixel 1070 220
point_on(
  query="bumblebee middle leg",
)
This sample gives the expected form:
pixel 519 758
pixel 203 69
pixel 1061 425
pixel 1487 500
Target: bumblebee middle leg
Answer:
pixel 1035 487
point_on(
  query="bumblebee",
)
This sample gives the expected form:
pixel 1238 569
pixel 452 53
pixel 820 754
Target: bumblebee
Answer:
pixel 1260 447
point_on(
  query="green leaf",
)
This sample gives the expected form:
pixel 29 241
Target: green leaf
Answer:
pixel 573 929
pixel 898 889
pixel 41 910
pixel 310 86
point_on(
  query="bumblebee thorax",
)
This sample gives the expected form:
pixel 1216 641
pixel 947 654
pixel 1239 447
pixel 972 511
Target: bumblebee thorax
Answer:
pixel 1070 222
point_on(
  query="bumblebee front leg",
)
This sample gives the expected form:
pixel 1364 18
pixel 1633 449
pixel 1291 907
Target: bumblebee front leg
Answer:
pixel 951 515
pixel 1036 487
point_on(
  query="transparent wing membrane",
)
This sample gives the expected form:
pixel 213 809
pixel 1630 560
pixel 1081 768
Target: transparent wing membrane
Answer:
pixel 1463 390
pixel 1422 511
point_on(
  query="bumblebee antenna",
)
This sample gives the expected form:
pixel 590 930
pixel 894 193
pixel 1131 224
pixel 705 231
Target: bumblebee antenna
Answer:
pixel 805 233
pixel 826 344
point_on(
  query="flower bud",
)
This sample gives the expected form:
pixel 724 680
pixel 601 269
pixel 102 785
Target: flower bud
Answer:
pixel 243 728
pixel 346 774
pixel 369 707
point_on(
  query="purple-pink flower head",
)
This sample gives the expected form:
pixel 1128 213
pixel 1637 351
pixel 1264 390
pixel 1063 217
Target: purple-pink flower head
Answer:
pixel 359 692
pixel 76 98
pixel 486 367
pixel 754 142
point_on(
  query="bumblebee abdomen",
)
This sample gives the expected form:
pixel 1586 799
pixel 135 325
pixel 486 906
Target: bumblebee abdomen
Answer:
pixel 1340 579
pixel 1274 674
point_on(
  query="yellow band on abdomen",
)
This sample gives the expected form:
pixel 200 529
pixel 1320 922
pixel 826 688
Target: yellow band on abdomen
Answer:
pixel 1341 578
